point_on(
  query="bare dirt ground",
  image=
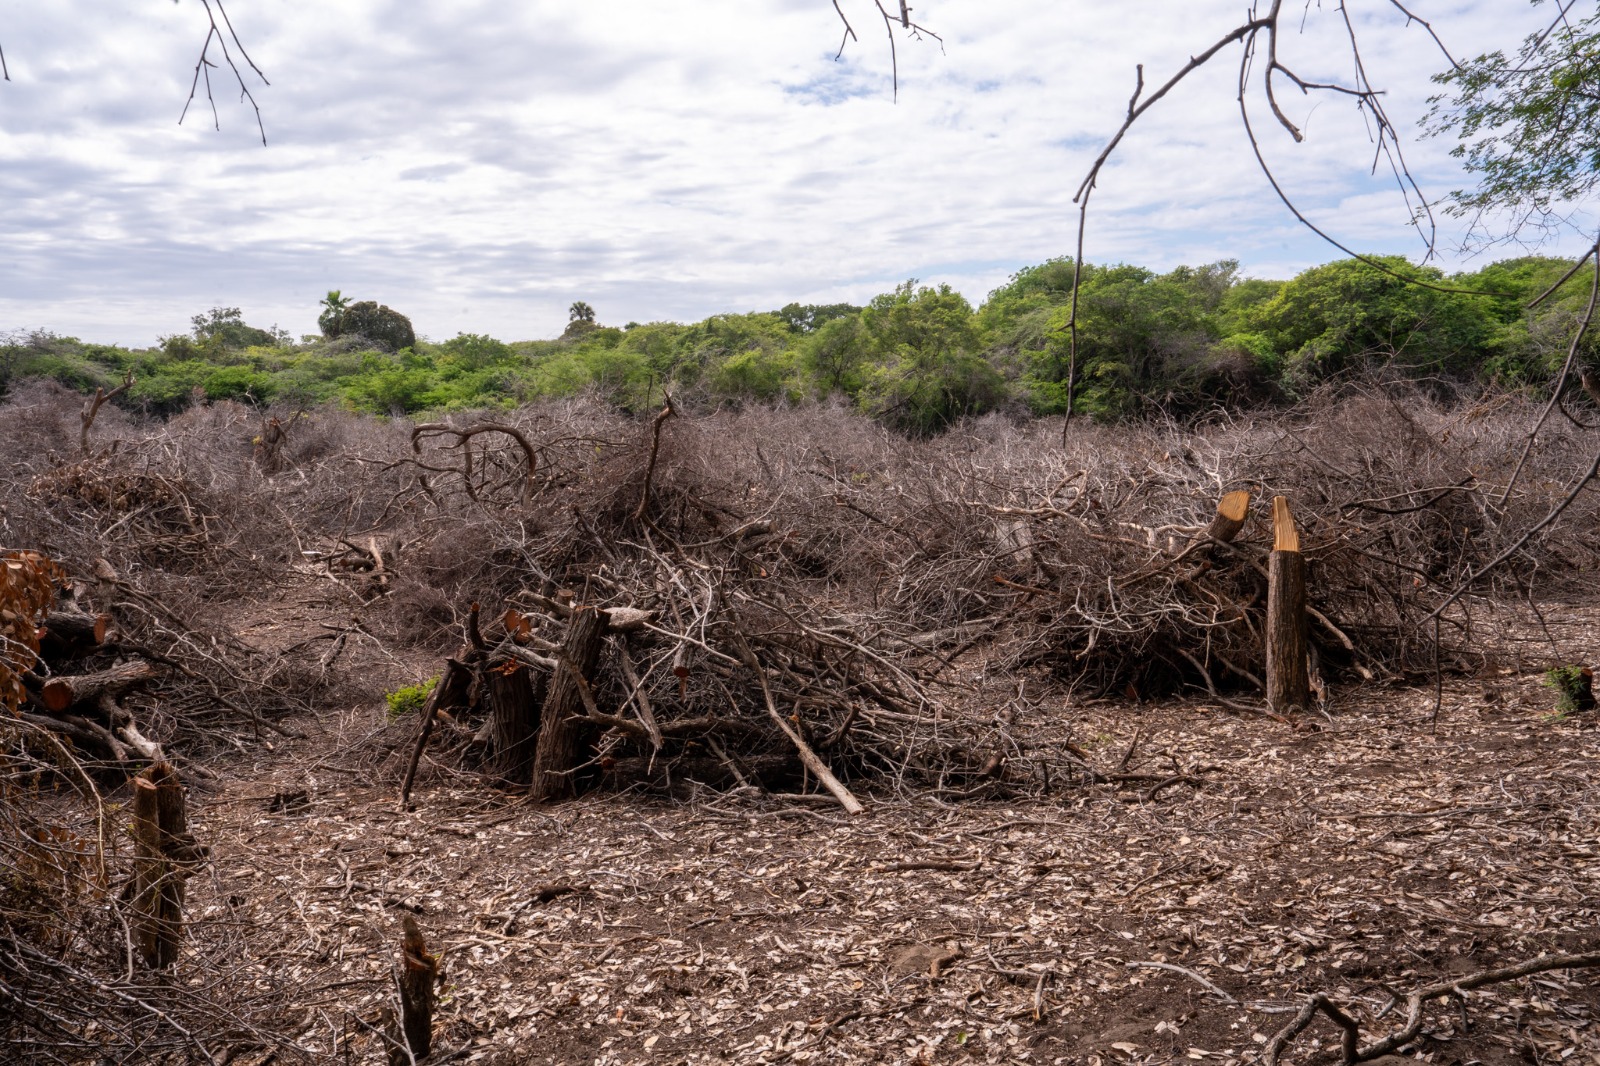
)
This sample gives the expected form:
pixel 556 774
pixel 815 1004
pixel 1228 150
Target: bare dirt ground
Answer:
pixel 1360 855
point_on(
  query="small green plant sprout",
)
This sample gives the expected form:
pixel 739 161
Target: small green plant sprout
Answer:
pixel 409 700
pixel 1574 688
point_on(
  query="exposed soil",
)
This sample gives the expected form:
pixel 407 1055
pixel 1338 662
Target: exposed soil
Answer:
pixel 1039 876
pixel 1359 856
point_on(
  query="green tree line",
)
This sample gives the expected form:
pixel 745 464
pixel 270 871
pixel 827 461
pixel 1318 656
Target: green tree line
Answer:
pixel 919 357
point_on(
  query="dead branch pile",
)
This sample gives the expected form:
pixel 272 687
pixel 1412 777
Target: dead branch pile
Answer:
pixel 884 600
pixel 760 599
pixel 804 568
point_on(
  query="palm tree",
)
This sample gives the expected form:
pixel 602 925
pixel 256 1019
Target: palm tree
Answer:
pixel 334 305
pixel 580 312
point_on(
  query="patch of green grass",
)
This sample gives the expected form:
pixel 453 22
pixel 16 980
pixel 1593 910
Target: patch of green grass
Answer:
pixel 409 700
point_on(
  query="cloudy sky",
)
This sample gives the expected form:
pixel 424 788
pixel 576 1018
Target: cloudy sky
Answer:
pixel 481 165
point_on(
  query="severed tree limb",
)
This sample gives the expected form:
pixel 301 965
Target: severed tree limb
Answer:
pixel 1353 1052
pixel 666 412
pixel 91 408
pixel 1185 971
pixel 812 762
pixel 463 439
pixel 450 691
pixel 1232 511
pixel 641 702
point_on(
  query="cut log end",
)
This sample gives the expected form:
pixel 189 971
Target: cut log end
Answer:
pixel 1231 514
pixel 1235 505
pixel 61 693
pixel 1285 537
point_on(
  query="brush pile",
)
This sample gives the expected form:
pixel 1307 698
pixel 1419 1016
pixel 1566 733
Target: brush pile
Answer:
pixel 794 586
pixel 885 601
pixel 757 599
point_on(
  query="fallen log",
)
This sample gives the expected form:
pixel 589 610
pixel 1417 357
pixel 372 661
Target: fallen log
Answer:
pixel 69 633
pixel 61 693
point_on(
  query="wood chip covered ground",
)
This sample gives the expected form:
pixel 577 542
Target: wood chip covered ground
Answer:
pixel 1085 837
pixel 1357 858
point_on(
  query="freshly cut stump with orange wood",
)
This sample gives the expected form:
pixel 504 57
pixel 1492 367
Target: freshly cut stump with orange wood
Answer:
pixel 1288 675
pixel 164 857
pixel 1232 511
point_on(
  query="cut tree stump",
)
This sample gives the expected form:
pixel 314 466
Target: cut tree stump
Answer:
pixel 165 855
pixel 1288 673
pixel 564 718
pixel 61 693
pixel 516 694
pixel 410 1039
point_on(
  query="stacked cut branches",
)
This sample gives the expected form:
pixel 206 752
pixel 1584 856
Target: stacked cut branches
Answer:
pixel 788 597
pixel 870 587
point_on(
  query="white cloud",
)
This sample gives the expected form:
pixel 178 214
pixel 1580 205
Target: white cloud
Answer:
pixel 479 166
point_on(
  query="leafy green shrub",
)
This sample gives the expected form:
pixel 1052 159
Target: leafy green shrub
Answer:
pixel 224 327
pixel 376 322
pixel 474 351
pixel 410 699
pixel 1574 688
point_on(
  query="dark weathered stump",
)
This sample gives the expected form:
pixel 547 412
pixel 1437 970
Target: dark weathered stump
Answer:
pixel 410 1038
pixel 515 695
pixel 564 726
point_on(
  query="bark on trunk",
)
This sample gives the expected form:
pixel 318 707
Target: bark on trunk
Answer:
pixel 1288 675
pixel 164 857
pixel 61 693
pixel 67 634
pixel 563 727
pixel 515 696
pixel 412 1039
